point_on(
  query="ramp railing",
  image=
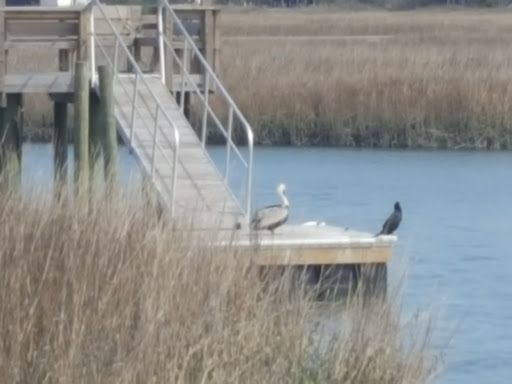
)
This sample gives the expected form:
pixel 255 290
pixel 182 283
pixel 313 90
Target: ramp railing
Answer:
pixel 190 50
pixel 152 115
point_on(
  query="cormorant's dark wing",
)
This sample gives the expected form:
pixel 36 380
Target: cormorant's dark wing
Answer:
pixel 385 226
pixel 391 224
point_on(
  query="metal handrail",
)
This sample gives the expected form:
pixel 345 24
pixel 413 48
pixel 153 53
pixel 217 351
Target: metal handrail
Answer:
pixel 209 76
pixel 139 76
pixel 207 107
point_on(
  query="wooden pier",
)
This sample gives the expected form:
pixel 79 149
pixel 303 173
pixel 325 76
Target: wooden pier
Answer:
pixel 138 71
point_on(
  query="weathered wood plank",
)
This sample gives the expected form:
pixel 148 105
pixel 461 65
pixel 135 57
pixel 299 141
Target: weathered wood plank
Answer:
pixel 198 79
pixel 39 29
pixel 56 43
pixel 315 256
pixel 41 13
pixel 107 40
pixel 124 25
pixel 50 82
pixel 118 12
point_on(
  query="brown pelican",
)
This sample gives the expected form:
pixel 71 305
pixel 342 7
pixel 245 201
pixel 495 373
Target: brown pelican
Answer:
pixel 272 216
pixel 392 222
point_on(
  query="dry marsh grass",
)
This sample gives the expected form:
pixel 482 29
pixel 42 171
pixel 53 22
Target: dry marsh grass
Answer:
pixel 433 78
pixel 110 294
pixel 438 78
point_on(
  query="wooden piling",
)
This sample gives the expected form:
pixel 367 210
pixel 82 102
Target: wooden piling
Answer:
pixel 81 127
pixel 11 142
pixel 186 103
pixel 61 132
pixel 95 138
pixel 108 127
pixel 60 116
pixel 61 136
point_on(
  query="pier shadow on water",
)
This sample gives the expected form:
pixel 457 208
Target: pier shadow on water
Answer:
pixel 330 283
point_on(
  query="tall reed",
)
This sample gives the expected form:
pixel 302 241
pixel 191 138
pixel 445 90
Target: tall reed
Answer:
pixel 111 294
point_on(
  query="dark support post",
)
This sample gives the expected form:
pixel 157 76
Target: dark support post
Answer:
pixel 137 53
pixel 60 117
pixel 95 137
pixel 81 127
pixel 108 125
pixel 186 102
pixel 11 142
pixel 372 280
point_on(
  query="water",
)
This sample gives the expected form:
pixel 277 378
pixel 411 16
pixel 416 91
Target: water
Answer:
pixel 454 243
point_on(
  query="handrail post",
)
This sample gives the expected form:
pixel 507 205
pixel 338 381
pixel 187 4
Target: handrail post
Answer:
pixel 161 51
pixel 205 112
pixel 228 142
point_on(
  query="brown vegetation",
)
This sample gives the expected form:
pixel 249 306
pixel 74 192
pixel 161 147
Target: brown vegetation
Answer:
pixel 434 78
pixel 111 294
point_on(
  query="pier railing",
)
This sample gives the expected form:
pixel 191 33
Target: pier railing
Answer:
pixel 211 81
pixel 156 112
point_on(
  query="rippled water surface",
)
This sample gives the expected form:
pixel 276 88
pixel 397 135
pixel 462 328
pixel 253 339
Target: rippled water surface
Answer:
pixel 454 240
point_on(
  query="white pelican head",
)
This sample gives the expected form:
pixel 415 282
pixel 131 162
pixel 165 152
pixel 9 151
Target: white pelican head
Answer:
pixel 281 189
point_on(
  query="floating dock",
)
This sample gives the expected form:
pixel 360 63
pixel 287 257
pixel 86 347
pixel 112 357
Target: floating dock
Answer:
pixel 314 244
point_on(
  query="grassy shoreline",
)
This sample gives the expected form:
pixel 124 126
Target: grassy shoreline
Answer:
pixel 112 295
pixel 432 78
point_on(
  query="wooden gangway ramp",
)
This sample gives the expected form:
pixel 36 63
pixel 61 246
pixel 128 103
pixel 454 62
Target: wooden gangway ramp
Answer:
pixel 152 109
pixel 200 191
